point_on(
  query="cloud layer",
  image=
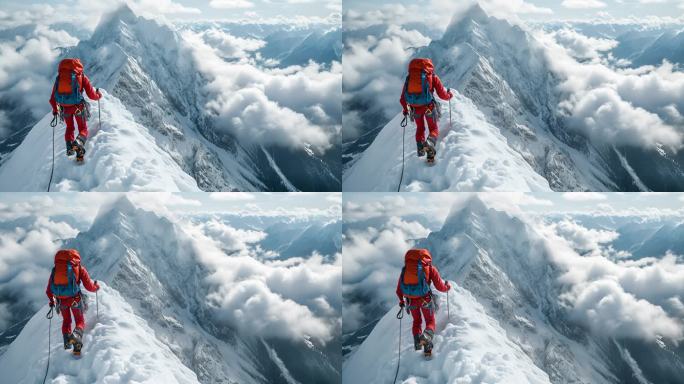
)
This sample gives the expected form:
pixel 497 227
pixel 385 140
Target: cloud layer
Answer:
pixel 295 107
pixel 640 107
pixel 293 298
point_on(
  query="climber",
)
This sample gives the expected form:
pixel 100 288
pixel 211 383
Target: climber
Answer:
pixel 418 98
pixel 67 98
pixel 64 288
pixel 413 290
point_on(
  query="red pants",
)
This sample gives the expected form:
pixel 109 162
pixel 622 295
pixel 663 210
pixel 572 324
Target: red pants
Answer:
pixel 66 308
pixel 428 314
pixel 420 127
pixel 69 117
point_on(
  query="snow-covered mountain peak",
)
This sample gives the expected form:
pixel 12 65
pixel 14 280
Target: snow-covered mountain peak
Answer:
pixel 116 19
pixel 483 32
pixel 122 205
pixel 462 25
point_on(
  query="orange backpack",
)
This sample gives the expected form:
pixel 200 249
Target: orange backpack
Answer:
pixel 418 87
pixel 69 82
pixel 66 273
pixel 415 279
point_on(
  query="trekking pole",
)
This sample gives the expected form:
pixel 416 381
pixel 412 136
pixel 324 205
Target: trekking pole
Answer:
pixel 448 311
pixel 451 123
pixel 49 317
pixel 400 315
pixel 403 124
pixel 97 304
pixel 99 113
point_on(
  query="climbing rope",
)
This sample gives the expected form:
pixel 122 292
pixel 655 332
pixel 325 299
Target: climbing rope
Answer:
pixel 53 124
pixel 403 124
pixel 49 317
pixel 400 315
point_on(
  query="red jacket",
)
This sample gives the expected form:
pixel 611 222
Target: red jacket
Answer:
pixel 433 278
pixel 83 277
pixel 85 86
pixel 442 92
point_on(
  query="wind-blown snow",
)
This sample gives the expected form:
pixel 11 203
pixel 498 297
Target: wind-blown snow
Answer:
pixel 119 347
pixel 471 348
pixel 120 156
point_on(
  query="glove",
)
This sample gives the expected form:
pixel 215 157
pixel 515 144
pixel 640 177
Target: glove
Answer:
pixel 401 304
pixel 450 95
pixel 97 90
pixel 405 112
pixel 54 113
pixel 448 286
pixel 97 286
pixel 52 304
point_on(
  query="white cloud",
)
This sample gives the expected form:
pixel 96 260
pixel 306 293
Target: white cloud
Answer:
pixel 229 46
pixel 295 107
pixel 625 299
pixel 609 310
pixel 584 239
pixel 232 196
pixel 293 299
pixel 231 4
pixel 584 196
pixel 155 7
pixel 628 107
pixel 232 239
pixel 583 4
pixel 581 46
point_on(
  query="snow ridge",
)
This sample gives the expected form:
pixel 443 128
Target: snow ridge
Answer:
pixel 119 347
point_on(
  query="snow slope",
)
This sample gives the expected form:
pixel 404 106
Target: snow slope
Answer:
pixel 508 133
pixel 119 347
pixel 471 348
pixel 120 156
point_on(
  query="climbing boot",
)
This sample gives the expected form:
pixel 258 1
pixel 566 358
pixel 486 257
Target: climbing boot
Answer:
pixel 70 148
pixel 67 340
pixel 78 341
pixel 79 147
pixel 416 343
pixel 421 148
pixel 430 149
pixel 426 341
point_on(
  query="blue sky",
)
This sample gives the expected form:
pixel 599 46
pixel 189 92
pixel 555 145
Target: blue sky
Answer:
pixel 213 9
pixel 565 9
